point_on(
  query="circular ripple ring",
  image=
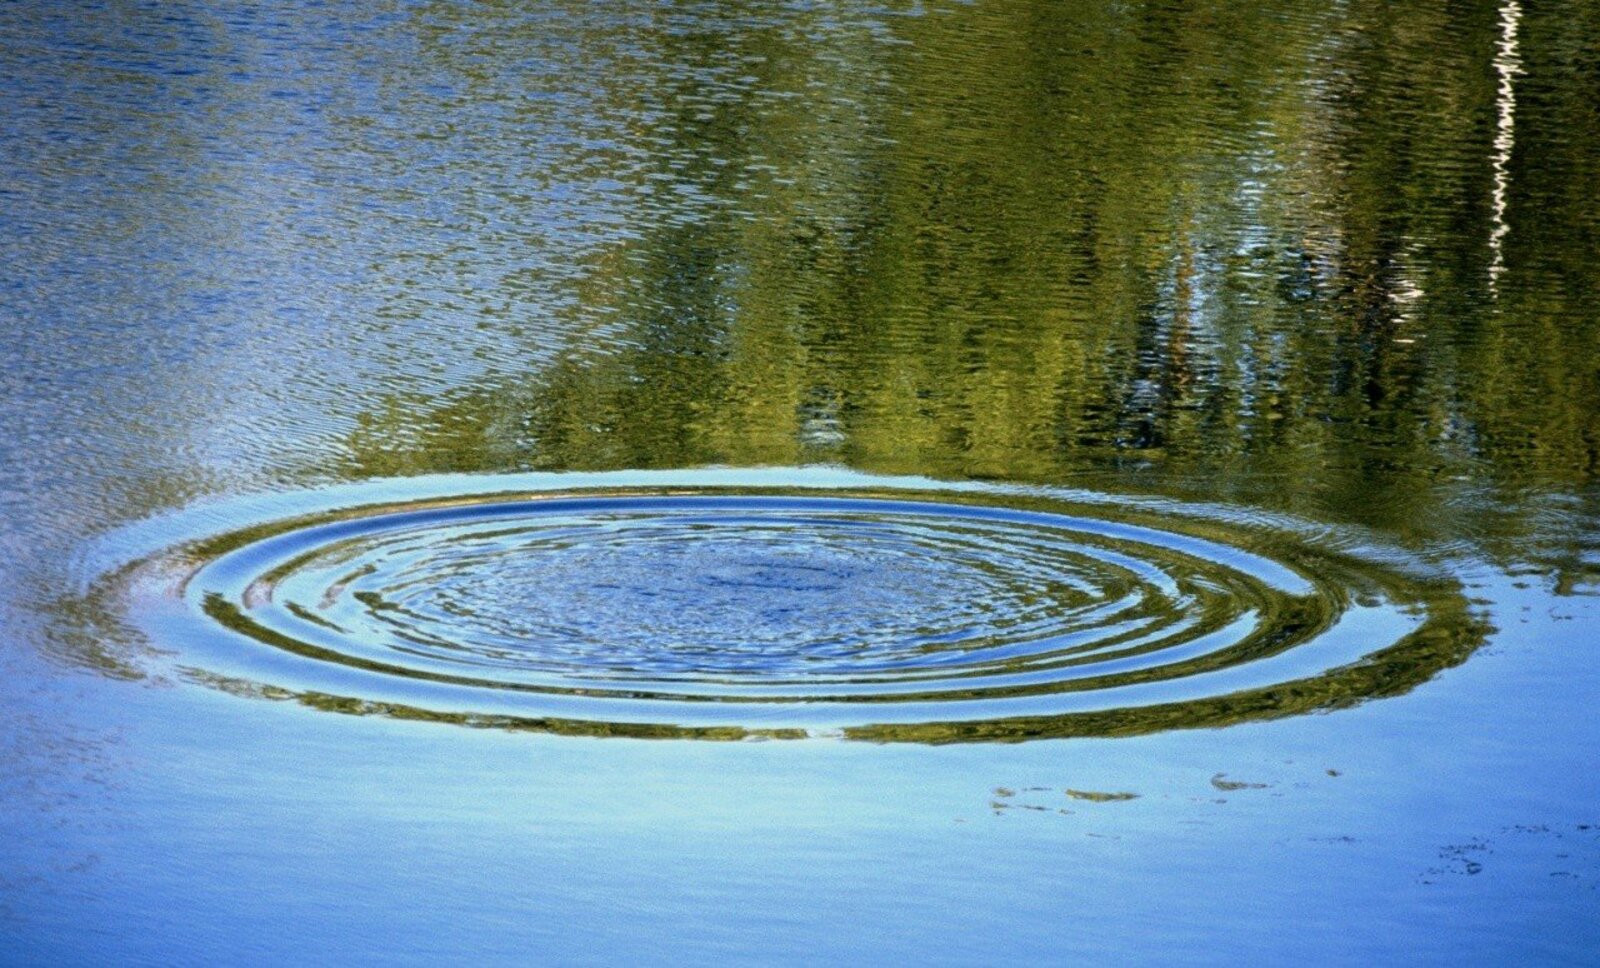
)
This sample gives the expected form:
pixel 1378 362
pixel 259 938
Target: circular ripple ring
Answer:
pixel 739 614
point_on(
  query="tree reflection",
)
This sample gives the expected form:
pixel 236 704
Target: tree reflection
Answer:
pixel 1194 248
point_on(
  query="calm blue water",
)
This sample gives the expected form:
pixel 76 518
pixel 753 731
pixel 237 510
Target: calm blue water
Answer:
pixel 803 483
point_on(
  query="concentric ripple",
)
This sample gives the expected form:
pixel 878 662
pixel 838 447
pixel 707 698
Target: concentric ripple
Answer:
pixel 725 614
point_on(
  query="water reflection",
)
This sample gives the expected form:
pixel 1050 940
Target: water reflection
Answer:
pixel 1507 64
pixel 1259 292
pixel 1330 271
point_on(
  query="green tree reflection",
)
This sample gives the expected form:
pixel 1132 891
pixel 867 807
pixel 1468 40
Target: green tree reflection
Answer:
pixel 1214 250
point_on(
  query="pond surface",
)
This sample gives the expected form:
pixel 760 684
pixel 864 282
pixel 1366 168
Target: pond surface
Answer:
pixel 799 483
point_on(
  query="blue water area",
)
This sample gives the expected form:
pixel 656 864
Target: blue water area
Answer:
pixel 812 483
pixel 807 614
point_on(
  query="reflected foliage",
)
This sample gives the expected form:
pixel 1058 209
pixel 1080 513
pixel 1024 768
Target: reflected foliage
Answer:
pixel 1239 252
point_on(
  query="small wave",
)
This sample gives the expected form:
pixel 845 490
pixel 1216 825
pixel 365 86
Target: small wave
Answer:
pixel 872 614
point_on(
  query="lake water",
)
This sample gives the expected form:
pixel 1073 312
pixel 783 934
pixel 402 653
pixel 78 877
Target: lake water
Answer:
pixel 799 483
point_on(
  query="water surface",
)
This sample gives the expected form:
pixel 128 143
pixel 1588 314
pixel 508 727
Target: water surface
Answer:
pixel 1135 465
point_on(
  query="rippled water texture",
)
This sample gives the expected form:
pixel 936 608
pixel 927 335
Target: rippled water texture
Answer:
pixel 1141 458
pixel 727 615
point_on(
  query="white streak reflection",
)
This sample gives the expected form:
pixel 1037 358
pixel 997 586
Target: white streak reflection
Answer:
pixel 1507 65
